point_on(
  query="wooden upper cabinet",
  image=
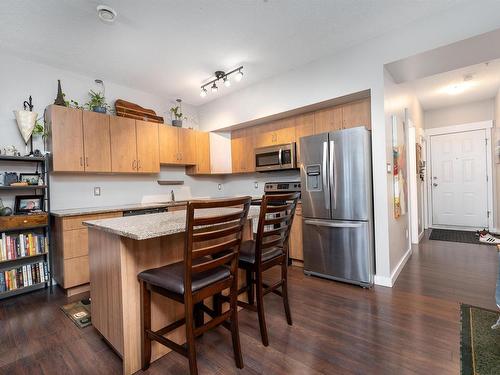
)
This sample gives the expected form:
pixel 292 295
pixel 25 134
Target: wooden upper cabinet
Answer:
pixel 202 154
pixel 357 114
pixel 66 139
pixel 284 131
pixel 237 150
pixel 123 144
pixel 275 133
pixel 304 126
pixel 96 142
pixel 148 158
pixel 327 120
pixel 248 157
pixel 187 146
pixel 169 144
pixel 264 135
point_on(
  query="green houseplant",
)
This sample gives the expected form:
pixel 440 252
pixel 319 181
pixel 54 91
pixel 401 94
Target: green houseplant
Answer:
pixel 177 115
pixel 97 102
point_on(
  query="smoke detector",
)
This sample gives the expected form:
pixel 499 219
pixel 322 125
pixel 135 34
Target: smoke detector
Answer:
pixel 106 14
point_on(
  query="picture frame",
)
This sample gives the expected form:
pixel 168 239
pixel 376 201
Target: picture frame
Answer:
pixel 30 178
pixel 25 204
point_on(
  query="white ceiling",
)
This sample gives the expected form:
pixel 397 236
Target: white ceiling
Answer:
pixel 432 91
pixel 170 48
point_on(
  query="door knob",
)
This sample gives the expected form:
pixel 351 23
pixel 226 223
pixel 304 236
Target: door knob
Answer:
pixel 434 184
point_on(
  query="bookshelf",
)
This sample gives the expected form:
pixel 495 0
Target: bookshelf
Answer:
pixel 28 265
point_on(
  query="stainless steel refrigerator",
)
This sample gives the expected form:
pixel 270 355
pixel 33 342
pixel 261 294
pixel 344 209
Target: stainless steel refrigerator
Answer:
pixel 337 200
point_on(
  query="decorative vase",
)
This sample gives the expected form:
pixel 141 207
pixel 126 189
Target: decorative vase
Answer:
pixel 177 123
pixel 99 109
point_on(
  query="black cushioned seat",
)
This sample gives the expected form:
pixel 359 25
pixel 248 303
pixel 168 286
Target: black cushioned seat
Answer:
pixel 171 277
pixel 247 252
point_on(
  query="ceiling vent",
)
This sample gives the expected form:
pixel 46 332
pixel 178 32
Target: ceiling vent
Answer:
pixel 106 14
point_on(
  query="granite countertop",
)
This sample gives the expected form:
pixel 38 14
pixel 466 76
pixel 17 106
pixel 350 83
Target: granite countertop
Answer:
pixel 118 208
pixel 144 227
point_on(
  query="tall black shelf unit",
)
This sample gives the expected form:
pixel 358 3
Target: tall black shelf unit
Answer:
pixel 42 164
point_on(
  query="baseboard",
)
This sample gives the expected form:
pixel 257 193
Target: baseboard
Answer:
pixel 420 236
pixel 389 281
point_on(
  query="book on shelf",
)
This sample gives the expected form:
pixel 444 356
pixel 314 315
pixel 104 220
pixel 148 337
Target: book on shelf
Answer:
pixel 23 276
pixel 22 245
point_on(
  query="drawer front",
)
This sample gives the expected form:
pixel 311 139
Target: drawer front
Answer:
pixel 76 271
pixel 75 243
pixel 75 222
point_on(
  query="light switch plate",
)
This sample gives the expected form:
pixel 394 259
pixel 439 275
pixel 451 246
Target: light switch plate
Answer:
pixel 389 168
pixel 97 191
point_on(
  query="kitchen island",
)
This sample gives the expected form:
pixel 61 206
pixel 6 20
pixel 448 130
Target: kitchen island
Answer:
pixel 119 249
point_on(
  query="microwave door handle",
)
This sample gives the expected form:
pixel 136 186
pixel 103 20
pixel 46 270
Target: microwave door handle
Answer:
pixel 326 191
pixel 333 173
pixel 280 158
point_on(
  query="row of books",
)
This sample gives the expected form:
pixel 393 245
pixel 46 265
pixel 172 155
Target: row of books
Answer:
pixel 22 245
pixel 21 277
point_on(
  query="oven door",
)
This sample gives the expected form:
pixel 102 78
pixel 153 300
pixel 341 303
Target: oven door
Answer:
pixel 275 158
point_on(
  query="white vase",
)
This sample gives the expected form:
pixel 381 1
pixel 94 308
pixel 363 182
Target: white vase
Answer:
pixel 26 123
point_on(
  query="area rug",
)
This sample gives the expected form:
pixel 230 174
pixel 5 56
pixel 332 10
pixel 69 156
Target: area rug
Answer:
pixel 78 312
pixel 455 236
pixel 479 344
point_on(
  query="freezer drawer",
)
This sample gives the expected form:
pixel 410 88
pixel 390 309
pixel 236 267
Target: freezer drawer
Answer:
pixel 339 250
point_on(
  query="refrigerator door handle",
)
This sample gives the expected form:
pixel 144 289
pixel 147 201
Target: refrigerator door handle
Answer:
pixel 322 223
pixel 326 190
pixel 333 173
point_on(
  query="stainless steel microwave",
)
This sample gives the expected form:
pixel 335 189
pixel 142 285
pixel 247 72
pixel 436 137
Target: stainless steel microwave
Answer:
pixel 275 158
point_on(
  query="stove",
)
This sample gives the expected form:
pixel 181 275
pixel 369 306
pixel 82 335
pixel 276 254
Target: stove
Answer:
pixel 278 188
pixel 281 187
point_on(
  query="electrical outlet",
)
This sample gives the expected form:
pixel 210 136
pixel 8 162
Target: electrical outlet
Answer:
pixel 219 186
pixel 97 191
pixel 256 184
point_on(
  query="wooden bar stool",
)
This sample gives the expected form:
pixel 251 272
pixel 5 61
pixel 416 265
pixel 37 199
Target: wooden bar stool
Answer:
pixel 269 249
pixel 210 265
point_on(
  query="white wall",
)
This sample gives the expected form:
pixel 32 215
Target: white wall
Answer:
pixel 460 114
pixel 20 78
pixel 355 69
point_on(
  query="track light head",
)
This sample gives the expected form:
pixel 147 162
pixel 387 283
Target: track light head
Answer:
pixel 214 88
pixel 203 92
pixel 238 75
pixel 227 82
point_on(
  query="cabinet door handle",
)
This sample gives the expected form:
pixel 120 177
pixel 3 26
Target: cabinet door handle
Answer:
pixel 81 161
pixel 133 165
pixel 138 164
pixel 87 161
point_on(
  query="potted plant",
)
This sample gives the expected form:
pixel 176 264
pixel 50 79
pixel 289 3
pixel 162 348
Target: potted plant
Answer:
pixel 97 102
pixel 40 130
pixel 177 115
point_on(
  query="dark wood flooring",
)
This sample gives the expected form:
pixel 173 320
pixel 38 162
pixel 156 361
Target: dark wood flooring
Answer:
pixel 412 328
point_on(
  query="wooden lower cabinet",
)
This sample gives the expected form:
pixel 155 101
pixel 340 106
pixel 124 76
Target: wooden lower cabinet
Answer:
pixel 296 252
pixel 70 251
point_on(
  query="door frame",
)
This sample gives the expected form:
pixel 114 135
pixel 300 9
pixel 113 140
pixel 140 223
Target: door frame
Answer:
pixel 480 125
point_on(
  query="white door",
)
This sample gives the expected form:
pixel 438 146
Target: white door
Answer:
pixel 459 179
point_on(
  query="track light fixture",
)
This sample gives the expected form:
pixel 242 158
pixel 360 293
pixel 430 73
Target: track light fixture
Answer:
pixel 221 75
